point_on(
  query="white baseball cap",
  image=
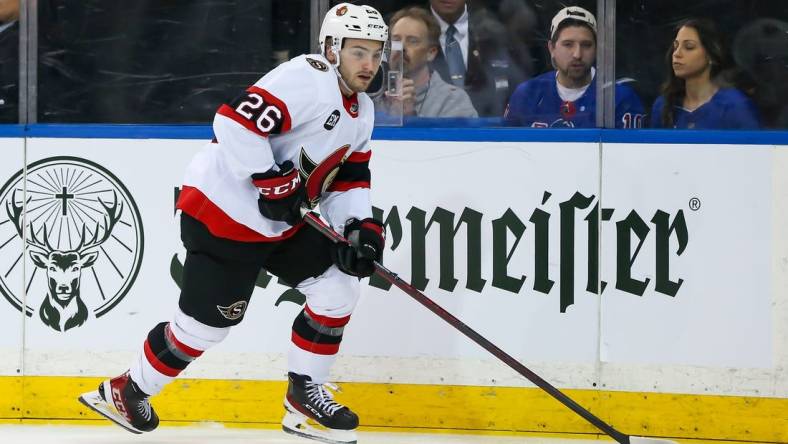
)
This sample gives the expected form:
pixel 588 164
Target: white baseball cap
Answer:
pixel 572 13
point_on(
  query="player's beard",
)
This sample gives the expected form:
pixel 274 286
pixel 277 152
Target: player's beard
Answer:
pixel 357 85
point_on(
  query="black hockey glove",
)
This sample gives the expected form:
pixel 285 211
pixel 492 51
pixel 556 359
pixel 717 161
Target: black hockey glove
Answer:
pixel 367 238
pixel 281 193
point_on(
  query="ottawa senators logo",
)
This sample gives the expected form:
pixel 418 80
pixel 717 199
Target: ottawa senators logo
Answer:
pixel 234 311
pixel 317 177
pixel 317 64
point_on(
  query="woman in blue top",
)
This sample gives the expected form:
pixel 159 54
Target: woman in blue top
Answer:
pixel 692 97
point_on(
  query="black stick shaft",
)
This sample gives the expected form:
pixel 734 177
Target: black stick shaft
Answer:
pixel 313 221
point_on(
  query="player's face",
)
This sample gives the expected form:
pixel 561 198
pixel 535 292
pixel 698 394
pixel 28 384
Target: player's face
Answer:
pixel 573 54
pixel 360 60
pixel 689 56
pixel 417 50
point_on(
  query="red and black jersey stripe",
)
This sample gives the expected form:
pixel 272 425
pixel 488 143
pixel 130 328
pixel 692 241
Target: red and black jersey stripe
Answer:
pixel 354 173
pixel 197 205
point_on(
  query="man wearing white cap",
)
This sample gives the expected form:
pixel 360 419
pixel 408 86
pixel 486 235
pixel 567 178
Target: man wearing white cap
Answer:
pixel 566 97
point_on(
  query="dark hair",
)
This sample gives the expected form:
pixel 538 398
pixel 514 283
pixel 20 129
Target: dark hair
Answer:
pixel 567 23
pixel 419 13
pixel 674 88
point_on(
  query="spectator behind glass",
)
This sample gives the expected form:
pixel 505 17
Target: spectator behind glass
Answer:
pixel 566 97
pixel 424 93
pixel 9 61
pixel 475 53
pixel 760 49
pixel 693 96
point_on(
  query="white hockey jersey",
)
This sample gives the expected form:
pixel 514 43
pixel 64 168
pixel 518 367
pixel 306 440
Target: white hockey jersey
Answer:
pixel 295 112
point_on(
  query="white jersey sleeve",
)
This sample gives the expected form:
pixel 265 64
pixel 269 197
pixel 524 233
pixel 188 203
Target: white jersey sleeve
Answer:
pixel 274 105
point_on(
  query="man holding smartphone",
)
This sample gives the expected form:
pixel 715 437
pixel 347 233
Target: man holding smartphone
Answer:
pixel 423 93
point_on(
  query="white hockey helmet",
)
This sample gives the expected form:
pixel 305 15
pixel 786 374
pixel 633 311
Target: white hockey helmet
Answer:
pixel 352 21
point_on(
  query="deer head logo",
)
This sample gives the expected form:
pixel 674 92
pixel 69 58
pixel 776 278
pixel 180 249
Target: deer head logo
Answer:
pixel 71 242
pixel 63 308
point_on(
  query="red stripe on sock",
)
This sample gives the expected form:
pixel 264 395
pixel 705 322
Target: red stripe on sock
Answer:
pixel 193 352
pixel 160 367
pixel 314 347
pixel 326 320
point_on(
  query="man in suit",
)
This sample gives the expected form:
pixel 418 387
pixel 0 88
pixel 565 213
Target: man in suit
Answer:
pixel 424 92
pixel 475 54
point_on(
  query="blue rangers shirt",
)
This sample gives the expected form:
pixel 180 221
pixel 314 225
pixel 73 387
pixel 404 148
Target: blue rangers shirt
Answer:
pixel 537 103
pixel 728 108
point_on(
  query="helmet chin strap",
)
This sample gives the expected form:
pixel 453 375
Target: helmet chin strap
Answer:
pixel 335 66
pixel 341 80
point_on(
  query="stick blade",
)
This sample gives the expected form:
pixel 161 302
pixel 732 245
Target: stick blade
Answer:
pixel 644 440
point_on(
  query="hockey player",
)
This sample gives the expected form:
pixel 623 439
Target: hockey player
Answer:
pixel 566 97
pixel 298 136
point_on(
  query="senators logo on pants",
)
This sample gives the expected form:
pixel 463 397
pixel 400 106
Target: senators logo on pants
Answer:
pixel 72 240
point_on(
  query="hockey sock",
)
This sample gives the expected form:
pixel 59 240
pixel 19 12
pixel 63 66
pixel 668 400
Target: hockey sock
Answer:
pixel 166 353
pixel 170 348
pixel 164 357
pixel 315 343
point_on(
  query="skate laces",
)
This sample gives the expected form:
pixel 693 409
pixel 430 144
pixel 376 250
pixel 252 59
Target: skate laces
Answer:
pixel 321 397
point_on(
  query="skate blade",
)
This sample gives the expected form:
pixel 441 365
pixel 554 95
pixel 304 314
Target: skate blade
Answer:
pixel 297 424
pixel 95 402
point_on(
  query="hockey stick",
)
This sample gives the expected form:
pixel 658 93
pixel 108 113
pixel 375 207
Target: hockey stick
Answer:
pixel 313 220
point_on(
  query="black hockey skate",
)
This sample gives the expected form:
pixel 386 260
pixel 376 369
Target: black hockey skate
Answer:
pixel 311 412
pixel 121 401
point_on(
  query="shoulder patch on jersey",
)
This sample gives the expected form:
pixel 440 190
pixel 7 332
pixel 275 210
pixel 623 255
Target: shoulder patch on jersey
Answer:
pixel 332 120
pixel 317 64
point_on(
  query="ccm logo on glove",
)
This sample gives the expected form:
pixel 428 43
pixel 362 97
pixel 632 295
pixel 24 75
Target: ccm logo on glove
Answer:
pixel 280 186
pixel 273 188
pixel 281 193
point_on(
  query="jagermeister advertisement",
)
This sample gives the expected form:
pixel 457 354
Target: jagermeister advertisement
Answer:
pixel 557 252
